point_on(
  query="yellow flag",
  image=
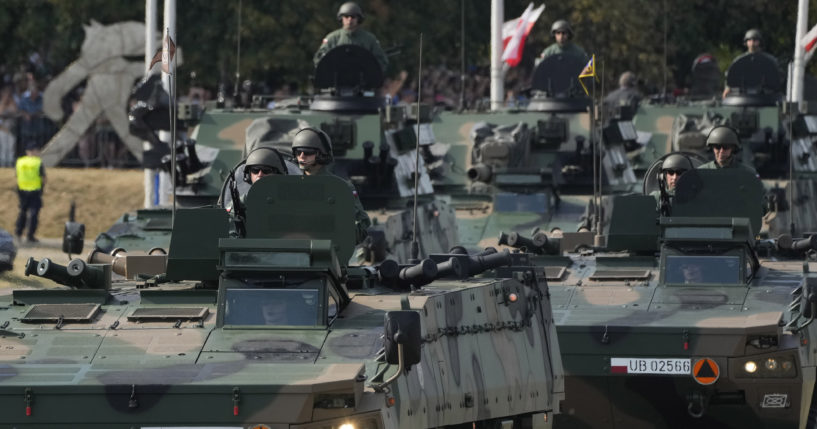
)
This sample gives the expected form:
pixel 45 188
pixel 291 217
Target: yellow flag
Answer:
pixel 589 70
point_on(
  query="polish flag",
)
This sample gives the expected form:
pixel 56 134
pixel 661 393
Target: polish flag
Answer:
pixel 809 42
pixel 514 33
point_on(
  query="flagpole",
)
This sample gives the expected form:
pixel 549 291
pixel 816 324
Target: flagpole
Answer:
pixel 497 79
pixel 150 49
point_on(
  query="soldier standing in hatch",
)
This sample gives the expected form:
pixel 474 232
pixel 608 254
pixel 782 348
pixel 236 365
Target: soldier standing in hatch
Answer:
pixel 312 148
pixel 351 16
pixel 753 41
pixel 563 33
pixel 672 168
pixel 626 93
pixel 725 144
pixel 262 161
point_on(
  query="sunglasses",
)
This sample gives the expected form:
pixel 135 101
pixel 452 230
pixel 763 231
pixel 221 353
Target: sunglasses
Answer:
pixel 720 146
pixel 674 172
pixel 255 169
pixel 305 151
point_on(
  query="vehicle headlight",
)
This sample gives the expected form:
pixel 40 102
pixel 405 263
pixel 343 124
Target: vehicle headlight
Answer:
pixel 371 420
pixel 766 366
pixel 771 364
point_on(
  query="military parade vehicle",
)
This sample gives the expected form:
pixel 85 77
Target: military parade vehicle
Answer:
pixel 752 107
pixel 257 321
pixel 684 319
pixel 532 168
pixel 373 146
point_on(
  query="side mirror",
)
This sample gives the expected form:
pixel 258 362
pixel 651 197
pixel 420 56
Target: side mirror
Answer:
pixel 403 328
pixel 808 303
pixel 73 238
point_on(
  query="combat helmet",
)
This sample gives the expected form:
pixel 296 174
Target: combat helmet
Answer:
pixel 264 156
pixel 723 135
pixel 350 8
pixel 753 33
pixel 676 161
pixel 561 25
pixel 314 138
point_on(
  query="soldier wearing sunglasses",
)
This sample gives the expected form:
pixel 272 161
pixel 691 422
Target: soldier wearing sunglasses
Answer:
pixel 725 145
pixel 672 168
pixel 262 161
pixel 312 149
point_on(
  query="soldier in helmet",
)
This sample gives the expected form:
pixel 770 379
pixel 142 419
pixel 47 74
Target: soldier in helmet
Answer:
pixel 312 149
pixel 627 93
pixel 563 33
pixel 725 144
pixel 351 16
pixel 262 161
pixel 672 168
pixel 753 41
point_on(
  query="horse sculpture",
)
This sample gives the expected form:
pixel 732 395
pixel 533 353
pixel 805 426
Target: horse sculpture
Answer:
pixel 109 79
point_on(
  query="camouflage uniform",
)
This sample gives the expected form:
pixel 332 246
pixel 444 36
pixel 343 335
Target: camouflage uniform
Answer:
pixel 362 221
pixel 358 37
pixel 569 49
pixel 733 163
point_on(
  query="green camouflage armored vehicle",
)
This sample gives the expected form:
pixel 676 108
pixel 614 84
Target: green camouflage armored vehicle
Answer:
pixel 684 320
pixel 752 107
pixel 272 329
pixel 373 146
pixel 516 170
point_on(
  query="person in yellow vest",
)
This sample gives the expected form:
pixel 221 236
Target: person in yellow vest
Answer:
pixel 30 186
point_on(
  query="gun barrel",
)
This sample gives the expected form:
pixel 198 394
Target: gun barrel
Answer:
pixel 480 173
pixel 420 274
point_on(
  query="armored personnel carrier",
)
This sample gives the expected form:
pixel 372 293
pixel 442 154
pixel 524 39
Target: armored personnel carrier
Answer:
pixel 532 168
pixel 272 329
pixel 373 146
pixel 684 320
pixel 753 107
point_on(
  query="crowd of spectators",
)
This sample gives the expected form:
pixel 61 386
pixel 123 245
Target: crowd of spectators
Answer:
pixel 23 123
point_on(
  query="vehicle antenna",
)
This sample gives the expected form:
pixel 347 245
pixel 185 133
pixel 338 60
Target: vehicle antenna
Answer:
pixel 172 93
pixel 415 246
pixel 664 91
pixel 792 183
pixel 595 144
pixel 237 56
pixel 596 126
pixel 462 55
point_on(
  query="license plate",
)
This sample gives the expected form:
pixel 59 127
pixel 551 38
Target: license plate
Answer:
pixel 650 366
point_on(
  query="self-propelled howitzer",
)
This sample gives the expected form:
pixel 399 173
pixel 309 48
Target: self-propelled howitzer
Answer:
pixel 273 329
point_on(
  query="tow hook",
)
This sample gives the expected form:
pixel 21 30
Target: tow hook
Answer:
pixel 697 404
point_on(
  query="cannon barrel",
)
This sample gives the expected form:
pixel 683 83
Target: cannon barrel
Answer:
pixel 388 270
pixel 480 173
pixel 805 244
pixel 132 265
pixel 450 267
pixel 418 275
pixel 478 264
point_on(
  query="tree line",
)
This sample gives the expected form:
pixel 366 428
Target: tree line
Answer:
pixel 656 39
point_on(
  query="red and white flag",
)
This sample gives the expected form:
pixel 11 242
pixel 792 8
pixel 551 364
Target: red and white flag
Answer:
pixel 165 54
pixel 514 33
pixel 809 42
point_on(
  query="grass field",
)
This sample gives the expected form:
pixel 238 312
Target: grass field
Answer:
pixel 101 197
